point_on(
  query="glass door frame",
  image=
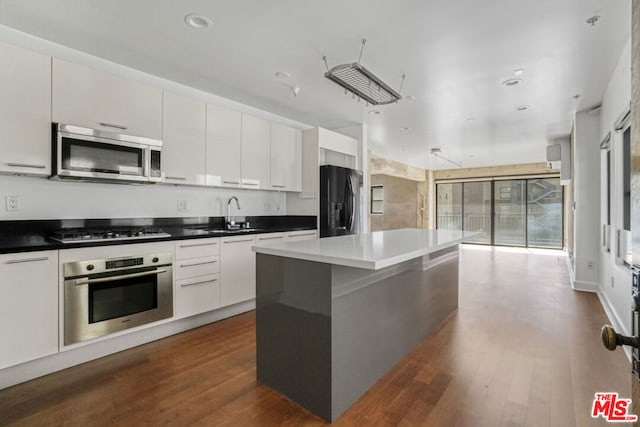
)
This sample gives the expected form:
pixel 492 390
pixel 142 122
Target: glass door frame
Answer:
pixel 493 180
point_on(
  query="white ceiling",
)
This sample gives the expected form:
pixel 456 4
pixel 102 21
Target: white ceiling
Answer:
pixel 455 55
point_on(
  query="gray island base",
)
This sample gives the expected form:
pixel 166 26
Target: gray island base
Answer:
pixel 328 331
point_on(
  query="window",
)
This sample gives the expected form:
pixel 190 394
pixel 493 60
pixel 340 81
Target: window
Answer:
pixel 449 206
pixel 515 212
pixel 477 209
pixel 377 199
pixel 626 178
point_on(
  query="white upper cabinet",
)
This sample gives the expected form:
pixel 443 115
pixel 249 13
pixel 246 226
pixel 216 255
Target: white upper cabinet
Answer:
pixel 286 158
pixel 183 148
pixel 223 158
pixel 98 100
pixel 256 134
pixel 25 111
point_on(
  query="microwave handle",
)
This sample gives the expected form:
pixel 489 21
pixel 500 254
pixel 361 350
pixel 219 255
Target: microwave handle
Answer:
pixel 87 281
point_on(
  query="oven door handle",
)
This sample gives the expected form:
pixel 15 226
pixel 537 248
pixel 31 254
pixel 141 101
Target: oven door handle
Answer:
pixel 87 281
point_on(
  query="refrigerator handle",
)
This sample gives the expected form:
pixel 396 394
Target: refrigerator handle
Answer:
pixel 352 204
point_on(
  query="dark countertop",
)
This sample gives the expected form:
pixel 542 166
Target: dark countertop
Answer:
pixel 33 235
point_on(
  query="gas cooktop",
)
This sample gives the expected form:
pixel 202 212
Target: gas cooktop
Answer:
pixel 77 235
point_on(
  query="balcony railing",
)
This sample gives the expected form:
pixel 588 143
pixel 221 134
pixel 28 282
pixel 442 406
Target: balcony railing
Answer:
pixel 544 230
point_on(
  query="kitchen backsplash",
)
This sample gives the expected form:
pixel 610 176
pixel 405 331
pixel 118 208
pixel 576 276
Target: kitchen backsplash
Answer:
pixel 39 198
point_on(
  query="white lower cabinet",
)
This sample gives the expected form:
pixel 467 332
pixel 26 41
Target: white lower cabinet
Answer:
pixel 238 269
pixel 28 306
pixel 197 274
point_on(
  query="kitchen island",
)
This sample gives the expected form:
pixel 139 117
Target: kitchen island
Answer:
pixel 334 315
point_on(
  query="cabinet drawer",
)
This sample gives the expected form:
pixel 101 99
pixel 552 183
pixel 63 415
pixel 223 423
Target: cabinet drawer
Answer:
pixel 197 248
pixel 197 267
pixel 197 295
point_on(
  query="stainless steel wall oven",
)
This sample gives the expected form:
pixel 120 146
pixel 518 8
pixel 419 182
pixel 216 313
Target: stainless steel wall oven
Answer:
pixel 109 295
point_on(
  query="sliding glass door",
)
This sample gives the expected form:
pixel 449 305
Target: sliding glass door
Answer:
pixel 449 206
pixel 510 212
pixel 544 215
pixel 477 209
pixel 515 212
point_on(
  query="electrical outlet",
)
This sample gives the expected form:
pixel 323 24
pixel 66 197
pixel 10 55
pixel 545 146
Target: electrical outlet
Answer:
pixel 590 265
pixel 182 205
pixel 267 206
pixel 13 203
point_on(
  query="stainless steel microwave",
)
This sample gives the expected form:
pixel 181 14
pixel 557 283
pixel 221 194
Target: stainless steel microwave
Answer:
pixel 92 154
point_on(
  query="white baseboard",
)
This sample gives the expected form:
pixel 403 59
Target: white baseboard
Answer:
pixel 580 285
pixel 583 286
pixel 614 319
pixel 36 368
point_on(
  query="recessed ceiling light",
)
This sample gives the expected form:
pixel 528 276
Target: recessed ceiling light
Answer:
pixel 592 20
pixel 199 22
pixel 283 75
pixel 410 98
pixel 374 112
pixel 405 128
pixel 522 107
pixel 512 82
pixel 518 72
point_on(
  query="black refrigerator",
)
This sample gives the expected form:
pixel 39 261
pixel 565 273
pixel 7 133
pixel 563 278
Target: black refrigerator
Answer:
pixel 340 191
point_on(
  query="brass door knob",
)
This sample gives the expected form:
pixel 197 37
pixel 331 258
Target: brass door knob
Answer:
pixel 611 339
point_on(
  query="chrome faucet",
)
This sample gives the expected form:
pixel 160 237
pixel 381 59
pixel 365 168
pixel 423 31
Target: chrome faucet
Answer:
pixel 230 220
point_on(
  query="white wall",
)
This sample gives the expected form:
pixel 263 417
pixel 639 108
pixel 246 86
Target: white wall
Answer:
pixel 586 196
pixel 40 198
pixel 615 280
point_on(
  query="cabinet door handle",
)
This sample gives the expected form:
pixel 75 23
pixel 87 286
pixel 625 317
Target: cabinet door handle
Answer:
pixel 198 263
pixel 238 241
pixel 25 165
pixel 300 235
pixel 88 281
pixel 185 285
pixel 19 261
pixel 254 184
pixel 270 238
pixel 231 182
pixel 179 178
pixel 277 186
pixel 193 245
pixel 111 125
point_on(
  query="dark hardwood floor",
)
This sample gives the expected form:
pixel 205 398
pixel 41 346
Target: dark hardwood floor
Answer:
pixel 523 349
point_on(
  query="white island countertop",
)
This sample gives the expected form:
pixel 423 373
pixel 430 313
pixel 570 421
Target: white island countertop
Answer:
pixel 372 251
